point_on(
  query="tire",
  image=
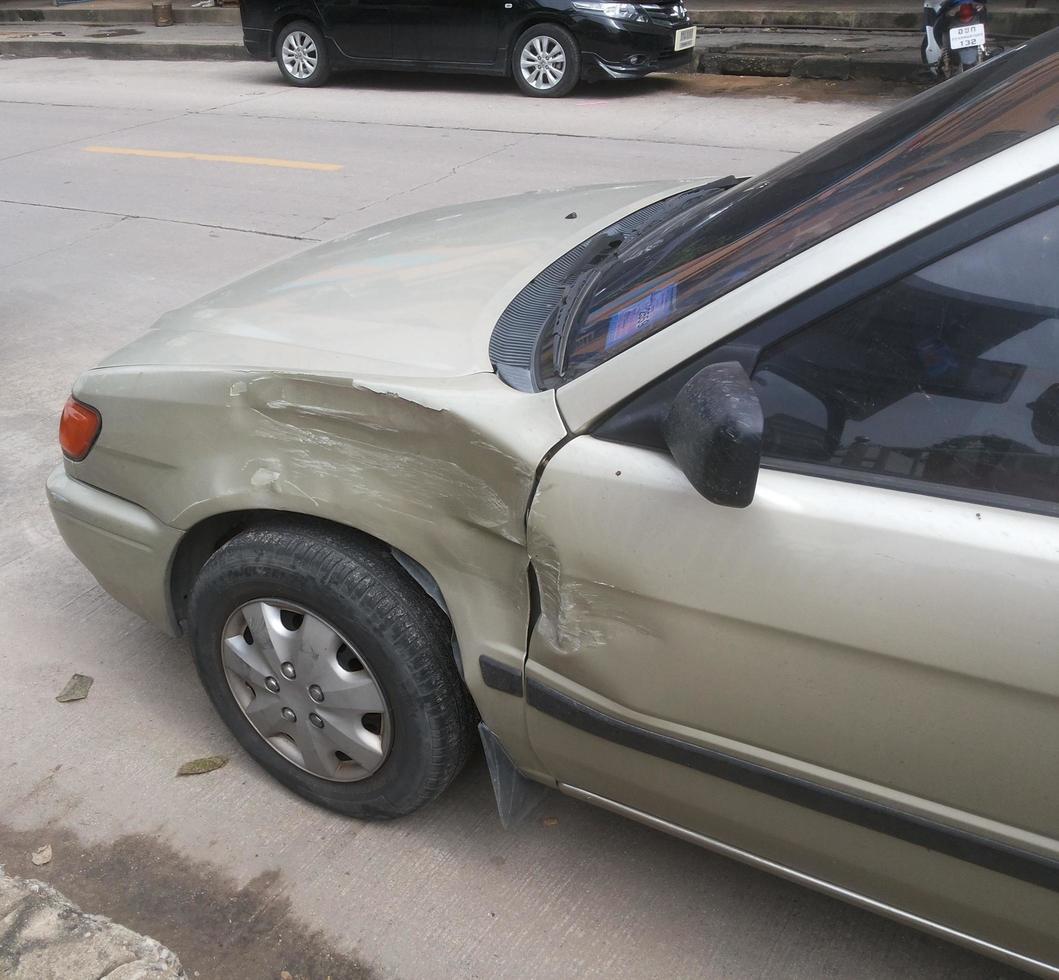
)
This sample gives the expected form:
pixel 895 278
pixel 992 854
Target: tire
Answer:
pixel 938 70
pixel 300 48
pixel 354 587
pixel 556 46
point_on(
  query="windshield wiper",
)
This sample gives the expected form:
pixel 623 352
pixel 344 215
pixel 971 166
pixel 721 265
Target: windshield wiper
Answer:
pixel 648 235
pixel 568 312
pixel 604 249
pixel 599 248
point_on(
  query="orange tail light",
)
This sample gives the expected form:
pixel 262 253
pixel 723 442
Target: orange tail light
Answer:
pixel 78 429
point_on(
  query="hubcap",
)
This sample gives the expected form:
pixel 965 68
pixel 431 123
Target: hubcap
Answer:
pixel 543 62
pixel 306 690
pixel 299 54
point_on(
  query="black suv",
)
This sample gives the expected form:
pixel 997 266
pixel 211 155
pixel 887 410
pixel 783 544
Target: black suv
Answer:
pixel 547 45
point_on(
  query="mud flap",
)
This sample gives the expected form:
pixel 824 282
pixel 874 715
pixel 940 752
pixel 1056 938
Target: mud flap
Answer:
pixel 429 585
pixel 516 796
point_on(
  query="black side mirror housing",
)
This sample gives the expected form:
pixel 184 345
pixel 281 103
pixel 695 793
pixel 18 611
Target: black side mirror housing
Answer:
pixel 714 431
pixel 1045 420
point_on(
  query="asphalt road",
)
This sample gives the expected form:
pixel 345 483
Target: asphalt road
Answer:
pixel 240 878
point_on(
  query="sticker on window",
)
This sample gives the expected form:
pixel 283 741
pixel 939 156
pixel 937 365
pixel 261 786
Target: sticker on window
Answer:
pixel 641 316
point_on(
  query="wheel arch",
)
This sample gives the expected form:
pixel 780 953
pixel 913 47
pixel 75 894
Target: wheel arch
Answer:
pixel 205 538
pixel 503 713
pixel 310 14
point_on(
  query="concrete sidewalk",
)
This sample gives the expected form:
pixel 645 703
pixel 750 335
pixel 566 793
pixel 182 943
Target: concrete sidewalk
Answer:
pixel 847 39
pixel 111 12
pixel 43 936
pixel 181 42
pixel 730 51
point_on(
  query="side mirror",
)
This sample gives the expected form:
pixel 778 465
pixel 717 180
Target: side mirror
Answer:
pixel 714 430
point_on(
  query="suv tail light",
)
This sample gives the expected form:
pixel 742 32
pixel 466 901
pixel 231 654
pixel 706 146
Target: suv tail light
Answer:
pixel 78 429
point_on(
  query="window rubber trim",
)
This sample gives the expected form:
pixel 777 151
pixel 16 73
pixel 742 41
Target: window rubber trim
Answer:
pixel 900 484
pixel 1006 859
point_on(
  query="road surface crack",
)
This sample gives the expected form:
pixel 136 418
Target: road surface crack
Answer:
pixel 506 132
pixel 175 221
pixel 88 136
pixel 426 183
pixel 64 245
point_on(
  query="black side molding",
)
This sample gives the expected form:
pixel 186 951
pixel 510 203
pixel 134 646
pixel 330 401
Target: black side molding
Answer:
pixel 992 855
pixel 500 677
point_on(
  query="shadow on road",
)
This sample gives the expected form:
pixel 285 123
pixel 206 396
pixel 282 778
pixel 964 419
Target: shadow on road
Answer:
pixel 488 85
pixel 866 91
pixel 220 930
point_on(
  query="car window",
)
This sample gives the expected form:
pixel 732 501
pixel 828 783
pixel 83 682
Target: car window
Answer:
pixel 949 376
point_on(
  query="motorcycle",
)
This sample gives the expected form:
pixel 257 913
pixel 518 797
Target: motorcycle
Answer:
pixel 954 36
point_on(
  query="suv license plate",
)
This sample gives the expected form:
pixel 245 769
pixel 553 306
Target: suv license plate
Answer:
pixel 686 39
pixel 970 36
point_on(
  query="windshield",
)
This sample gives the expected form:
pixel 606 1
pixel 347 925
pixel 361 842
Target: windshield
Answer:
pixel 641 286
pixel 536 323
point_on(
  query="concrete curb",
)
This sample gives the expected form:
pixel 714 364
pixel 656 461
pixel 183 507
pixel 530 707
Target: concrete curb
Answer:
pixel 44 936
pixel 227 16
pixel 885 69
pixel 123 50
pixel 832 66
pixel 734 63
pixel 1023 22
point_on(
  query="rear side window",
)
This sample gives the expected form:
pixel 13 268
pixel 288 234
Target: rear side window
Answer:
pixel 947 377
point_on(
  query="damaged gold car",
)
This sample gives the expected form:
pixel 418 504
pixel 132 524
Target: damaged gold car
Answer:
pixel 730 507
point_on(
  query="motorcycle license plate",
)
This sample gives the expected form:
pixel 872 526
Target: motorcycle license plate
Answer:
pixel 968 36
pixel 685 39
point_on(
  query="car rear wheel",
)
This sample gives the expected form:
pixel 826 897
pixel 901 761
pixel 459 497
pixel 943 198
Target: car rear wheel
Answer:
pixel 546 62
pixel 332 669
pixel 302 55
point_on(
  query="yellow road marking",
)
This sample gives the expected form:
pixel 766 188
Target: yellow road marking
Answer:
pixel 215 158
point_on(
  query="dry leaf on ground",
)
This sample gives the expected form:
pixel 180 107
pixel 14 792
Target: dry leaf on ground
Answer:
pixel 76 689
pixel 206 764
